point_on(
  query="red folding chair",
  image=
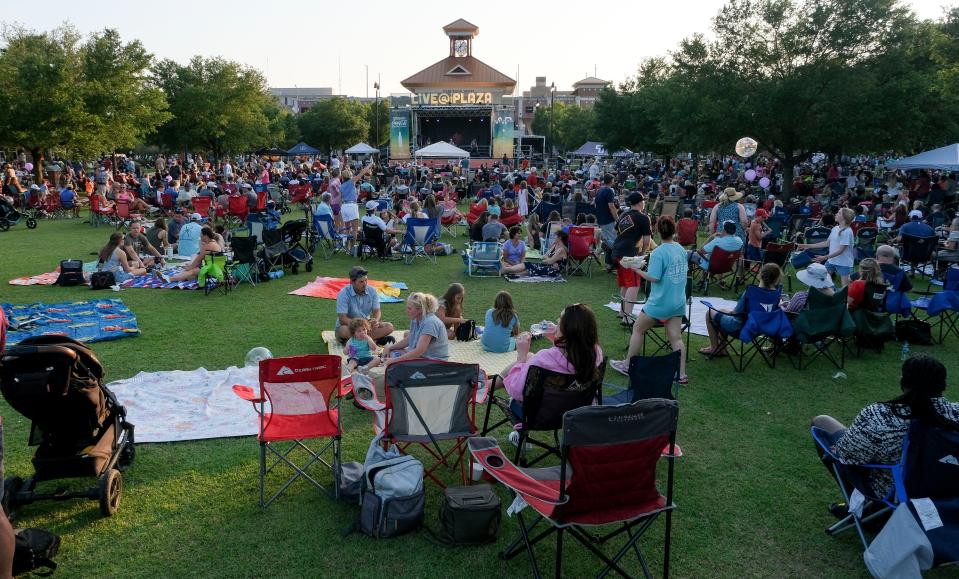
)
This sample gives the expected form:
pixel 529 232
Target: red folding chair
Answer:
pixel 260 201
pixel 722 266
pixel 202 206
pixel 100 214
pixel 298 400
pixel 124 217
pixel 607 476
pixel 428 402
pixel 580 254
pixel 238 208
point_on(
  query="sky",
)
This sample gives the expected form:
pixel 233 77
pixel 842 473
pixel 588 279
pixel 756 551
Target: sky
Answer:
pixel 348 45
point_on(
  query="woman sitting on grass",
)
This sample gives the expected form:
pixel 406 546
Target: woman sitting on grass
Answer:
pixel 502 325
pixel 208 246
pixel 112 258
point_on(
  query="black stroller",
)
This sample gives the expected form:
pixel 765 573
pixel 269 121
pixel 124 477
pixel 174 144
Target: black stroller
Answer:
pixel 78 426
pixel 10 216
pixel 294 234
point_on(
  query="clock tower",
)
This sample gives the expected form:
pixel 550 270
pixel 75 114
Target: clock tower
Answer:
pixel 461 34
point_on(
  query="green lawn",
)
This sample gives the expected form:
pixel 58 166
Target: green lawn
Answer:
pixel 752 496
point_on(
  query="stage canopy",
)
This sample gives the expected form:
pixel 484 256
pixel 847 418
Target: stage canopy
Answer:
pixel 302 149
pixel 361 149
pixel 441 150
pixel 946 158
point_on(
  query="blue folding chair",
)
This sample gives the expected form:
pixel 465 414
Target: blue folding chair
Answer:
pixel 764 333
pixel 421 233
pixel 942 309
pixel 324 234
pixel 897 300
pixel 483 258
pixel 924 471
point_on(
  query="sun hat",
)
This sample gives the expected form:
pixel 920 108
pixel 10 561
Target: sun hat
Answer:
pixel 371 205
pixel 732 194
pixel 815 275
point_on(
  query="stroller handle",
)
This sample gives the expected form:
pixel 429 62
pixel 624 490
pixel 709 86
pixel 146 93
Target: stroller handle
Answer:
pixel 30 350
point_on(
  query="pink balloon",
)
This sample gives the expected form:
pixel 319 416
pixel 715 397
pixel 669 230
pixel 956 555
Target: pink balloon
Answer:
pixel 764 182
pixel 28 166
pixel 750 175
pixel 169 178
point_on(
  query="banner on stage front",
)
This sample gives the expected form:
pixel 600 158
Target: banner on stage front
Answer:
pixel 502 134
pixel 399 134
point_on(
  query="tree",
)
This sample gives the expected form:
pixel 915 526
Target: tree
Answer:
pixel 572 125
pixel 384 121
pixel 283 128
pixel 335 123
pixel 218 106
pixel 58 95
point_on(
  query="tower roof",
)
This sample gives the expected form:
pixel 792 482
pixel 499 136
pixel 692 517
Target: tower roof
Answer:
pixel 461 26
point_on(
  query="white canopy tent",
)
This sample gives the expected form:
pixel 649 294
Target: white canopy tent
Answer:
pixel 945 158
pixel 441 150
pixel 361 149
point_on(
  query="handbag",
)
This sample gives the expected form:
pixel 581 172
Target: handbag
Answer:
pixel 469 515
pixel 101 280
pixel 466 331
pixel 914 331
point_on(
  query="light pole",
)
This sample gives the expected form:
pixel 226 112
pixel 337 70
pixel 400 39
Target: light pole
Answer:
pixel 376 87
pixel 552 99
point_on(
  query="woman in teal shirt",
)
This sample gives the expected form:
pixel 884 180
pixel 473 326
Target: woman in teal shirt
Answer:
pixel 666 274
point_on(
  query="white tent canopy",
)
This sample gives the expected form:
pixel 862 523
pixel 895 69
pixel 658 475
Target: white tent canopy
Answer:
pixel 361 149
pixel 441 150
pixel 945 158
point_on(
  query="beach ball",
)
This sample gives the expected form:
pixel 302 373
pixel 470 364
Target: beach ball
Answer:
pixel 256 355
pixel 746 147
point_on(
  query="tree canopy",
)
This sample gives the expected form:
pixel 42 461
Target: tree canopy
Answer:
pixel 335 123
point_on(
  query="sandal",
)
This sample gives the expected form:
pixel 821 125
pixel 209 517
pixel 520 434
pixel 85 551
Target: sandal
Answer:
pixel 683 380
pixel 707 351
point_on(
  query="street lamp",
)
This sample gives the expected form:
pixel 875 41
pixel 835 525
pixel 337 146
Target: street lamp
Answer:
pixel 376 86
pixel 552 99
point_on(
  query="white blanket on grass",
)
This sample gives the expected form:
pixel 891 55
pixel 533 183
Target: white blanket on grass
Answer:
pixel 188 405
pixel 698 325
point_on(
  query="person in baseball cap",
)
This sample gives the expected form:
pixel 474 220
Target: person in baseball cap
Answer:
pixel 196 217
pixel 758 230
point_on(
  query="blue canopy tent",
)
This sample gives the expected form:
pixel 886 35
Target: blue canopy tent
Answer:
pixel 302 149
pixel 945 158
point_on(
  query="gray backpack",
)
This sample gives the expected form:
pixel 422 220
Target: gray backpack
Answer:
pixel 393 498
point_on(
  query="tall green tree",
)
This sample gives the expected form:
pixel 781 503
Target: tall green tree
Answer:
pixel 218 106
pixel 571 125
pixel 382 137
pixel 335 123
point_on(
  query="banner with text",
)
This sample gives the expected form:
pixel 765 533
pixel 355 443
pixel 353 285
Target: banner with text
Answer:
pixel 399 134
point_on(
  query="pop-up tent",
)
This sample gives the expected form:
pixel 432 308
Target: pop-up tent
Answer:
pixel 945 158
pixel 590 149
pixel 302 149
pixel 441 150
pixel 623 153
pixel 361 149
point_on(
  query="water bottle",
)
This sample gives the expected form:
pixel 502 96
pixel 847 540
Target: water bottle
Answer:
pixel 905 352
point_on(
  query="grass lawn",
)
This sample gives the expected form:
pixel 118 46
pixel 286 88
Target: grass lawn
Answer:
pixel 752 496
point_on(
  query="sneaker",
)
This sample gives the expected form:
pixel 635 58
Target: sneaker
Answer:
pixel 620 366
pixel 514 440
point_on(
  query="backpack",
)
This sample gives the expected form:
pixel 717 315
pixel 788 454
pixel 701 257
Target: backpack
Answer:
pixel 393 497
pixel 466 331
pixel 100 280
pixel 34 548
pixel 71 272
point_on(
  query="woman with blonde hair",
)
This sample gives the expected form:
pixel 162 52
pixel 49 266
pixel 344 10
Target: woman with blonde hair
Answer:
pixel 427 337
pixel 841 244
pixel 869 273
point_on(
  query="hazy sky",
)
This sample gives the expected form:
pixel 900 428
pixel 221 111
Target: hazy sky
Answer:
pixel 324 44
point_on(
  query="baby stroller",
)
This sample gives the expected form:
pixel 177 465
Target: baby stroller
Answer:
pixel 78 426
pixel 295 236
pixel 10 216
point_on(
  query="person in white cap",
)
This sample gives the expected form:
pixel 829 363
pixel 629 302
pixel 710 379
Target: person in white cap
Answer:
pixel 915 227
pixel 189 241
pixel 817 277
pixel 372 218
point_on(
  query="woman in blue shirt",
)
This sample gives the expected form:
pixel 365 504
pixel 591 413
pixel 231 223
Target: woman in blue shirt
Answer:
pixel 502 325
pixel 666 274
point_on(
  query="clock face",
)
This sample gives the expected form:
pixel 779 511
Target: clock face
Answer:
pixel 460 48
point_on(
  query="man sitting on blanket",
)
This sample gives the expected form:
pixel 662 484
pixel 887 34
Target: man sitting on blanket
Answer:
pixel 360 300
pixel 139 249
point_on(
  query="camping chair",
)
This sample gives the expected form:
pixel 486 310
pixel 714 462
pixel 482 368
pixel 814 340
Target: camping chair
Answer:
pixel 866 242
pixel 547 396
pixel 237 210
pixel 298 400
pixel 373 242
pixel 421 235
pixel 430 401
pixel 613 448
pixel 942 309
pixel 246 264
pixel 100 214
pixel 581 248
pixel 168 203
pixel 670 207
pixel 544 208
pixel 824 324
pixel 552 227
pixel 649 377
pixel 874 325
pixel 657 334
pixel 274 249
pixel 897 300
pixel 483 258
pixel 722 266
pixel 213 274
pixel 924 471
pixel 918 252
pixel 777 225
pixel 202 205
pixel 449 224
pixel 123 215
pixel 777 253
pixel 764 332
pixel 817 235
pixel 324 234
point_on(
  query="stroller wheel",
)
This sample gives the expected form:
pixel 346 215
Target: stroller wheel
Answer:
pixel 295 269
pixel 4 225
pixel 309 265
pixel 11 486
pixel 111 490
pixel 31 223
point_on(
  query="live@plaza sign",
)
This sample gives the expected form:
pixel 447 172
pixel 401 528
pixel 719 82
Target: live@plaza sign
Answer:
pixel 455 98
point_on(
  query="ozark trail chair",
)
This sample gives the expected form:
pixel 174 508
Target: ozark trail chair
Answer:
pixel 822 326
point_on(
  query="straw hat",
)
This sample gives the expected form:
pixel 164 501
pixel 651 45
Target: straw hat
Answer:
pixel 731 194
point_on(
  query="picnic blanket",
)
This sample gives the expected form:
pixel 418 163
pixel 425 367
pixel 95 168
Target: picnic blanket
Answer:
pixel 150 281
pixel 188 405
pixel 535 279
pixel 49 278
pixel 698 323
pixel 85 321
pixel 329 287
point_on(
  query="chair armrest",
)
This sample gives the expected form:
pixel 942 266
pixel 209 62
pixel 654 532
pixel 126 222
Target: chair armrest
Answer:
pixel 488 453
pixel 828 451
pixel 484 387
pixel 246 393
